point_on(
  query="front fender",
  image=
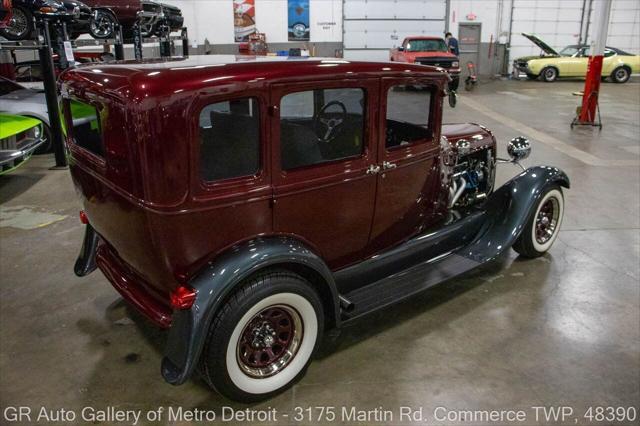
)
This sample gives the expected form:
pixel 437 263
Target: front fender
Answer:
pixel 220 277
pixel 535 66
pixel 509 208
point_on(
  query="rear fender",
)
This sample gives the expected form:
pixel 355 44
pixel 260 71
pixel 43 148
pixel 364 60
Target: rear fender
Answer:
pixel 217 281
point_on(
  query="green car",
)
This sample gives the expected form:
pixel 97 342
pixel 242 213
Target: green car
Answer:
pixel 19 137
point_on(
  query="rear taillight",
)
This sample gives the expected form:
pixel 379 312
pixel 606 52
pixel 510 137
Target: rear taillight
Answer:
pixel 183 297
pixel 83 218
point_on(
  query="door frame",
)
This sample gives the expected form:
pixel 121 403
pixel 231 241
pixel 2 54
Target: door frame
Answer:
pixel 323 176
pixel 338 169
pixel 413 152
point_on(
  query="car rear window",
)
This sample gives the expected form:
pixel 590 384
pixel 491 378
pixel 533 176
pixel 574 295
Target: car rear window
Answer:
pixel 230 139
pixel 85 121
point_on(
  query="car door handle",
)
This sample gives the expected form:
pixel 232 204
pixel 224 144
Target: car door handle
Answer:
pixel 387 165
pixel 373 169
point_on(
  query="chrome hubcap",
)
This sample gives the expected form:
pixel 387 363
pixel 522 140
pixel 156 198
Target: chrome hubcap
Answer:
pixel 547 220
pixel 269 341
pixel 551 74
pixel 18 25
pixel 621 74
pixel 102 25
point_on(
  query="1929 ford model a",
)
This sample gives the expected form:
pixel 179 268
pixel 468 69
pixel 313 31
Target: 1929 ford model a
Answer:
pixel 248 205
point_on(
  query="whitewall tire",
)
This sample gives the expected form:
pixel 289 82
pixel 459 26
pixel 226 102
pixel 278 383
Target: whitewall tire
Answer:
pixel 264 337
pixel 543 226
pixel 251 382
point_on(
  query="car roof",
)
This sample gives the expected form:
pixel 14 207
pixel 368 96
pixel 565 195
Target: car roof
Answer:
pixel 581 46
pixel 157 77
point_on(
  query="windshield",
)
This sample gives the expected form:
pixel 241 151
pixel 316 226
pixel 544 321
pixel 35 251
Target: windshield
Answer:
pixel 426 46
pixel 569 51
pixel 8 86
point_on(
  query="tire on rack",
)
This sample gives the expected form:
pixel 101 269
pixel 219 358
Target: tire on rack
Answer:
pixel 620 75
pixel 262 339
pixel 102 24
pixel 543 225
pixel 549 74
pixel 20 26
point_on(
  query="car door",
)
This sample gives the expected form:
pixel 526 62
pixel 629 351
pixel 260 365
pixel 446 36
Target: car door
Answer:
pixel 609 63
pixel 408 149
pixel 578 63
pixel 324 142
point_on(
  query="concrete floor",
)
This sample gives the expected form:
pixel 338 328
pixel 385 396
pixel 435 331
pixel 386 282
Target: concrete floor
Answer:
pixel 562 330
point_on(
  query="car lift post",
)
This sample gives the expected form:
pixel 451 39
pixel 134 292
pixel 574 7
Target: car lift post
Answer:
pixel 587 112
pixel 51 92
pixel 137 42
pixel 165 42
pixel 118 45
pixel 185 41
pixel 62 36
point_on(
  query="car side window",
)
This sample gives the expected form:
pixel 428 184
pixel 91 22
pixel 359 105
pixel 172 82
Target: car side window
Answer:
pixel 608 53
pixel 407 119
pixel 230 139
pixel 85 122
pixel 322 125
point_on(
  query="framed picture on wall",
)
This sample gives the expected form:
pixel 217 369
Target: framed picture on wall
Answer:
pixel 298 22
pixel 244 19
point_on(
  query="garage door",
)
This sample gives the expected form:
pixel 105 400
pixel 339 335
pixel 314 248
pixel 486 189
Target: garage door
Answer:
pixel 624 31
pixel 372 27
pixel 556 23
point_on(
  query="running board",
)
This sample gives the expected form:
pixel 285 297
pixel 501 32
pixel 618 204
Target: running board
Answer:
pixel 405 284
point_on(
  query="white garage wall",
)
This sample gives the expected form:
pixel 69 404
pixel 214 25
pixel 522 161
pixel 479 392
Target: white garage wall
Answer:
pixel 492 14
pixel 556 23
pixel 213 20
pixel 624 25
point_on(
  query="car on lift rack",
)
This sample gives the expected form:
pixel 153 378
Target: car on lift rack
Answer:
pixel 20 25
pixel 154 18
pixel 248 215
pixel 5 13
pixel 572 61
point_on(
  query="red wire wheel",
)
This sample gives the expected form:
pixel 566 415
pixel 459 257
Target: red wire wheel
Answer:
pixel 547 220
pixel 269 341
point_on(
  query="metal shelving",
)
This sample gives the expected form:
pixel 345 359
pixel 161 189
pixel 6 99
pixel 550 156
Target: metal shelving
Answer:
pixel 45 46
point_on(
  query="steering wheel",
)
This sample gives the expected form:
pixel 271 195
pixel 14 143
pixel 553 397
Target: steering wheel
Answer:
pixel 326 125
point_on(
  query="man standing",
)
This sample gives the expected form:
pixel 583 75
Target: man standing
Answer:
pixel 452 43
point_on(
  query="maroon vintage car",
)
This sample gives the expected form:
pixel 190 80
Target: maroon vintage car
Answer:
pixel 153 17
pixel 249 204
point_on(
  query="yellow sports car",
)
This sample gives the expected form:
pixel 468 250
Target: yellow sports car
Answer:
pixel 572 62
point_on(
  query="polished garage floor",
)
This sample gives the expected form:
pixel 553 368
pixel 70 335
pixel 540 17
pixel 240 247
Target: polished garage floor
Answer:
pixel 560 330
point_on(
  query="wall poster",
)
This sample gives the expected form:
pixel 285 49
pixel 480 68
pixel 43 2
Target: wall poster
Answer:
pixel 298 22
pixel 244 19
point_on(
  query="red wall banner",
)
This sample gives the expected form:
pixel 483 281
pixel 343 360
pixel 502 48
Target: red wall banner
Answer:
pixel 244 19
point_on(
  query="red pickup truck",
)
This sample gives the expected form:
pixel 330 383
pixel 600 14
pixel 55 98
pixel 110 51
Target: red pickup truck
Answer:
pixel 428 50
